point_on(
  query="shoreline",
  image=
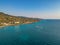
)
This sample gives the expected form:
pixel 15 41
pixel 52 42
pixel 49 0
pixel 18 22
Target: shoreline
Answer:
pixel 12 25
pixel 15 24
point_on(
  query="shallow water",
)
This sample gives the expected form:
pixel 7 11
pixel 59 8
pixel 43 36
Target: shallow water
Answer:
pixel 44 32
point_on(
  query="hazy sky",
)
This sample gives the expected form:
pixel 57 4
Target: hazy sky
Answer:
pixel 32 8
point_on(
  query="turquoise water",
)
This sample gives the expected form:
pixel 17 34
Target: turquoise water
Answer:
pixel 44 32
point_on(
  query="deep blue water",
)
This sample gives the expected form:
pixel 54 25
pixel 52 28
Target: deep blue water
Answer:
pixel 44 32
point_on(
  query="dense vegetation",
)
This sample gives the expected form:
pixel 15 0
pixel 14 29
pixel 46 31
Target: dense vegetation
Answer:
pixel 6 19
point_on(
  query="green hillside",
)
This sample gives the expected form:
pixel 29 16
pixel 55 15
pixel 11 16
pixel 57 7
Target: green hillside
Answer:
pixel 6 19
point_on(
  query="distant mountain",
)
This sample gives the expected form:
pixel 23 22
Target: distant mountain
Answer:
pixel 6 19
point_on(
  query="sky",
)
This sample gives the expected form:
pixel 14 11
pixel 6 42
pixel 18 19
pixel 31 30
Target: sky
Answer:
pixel 46 9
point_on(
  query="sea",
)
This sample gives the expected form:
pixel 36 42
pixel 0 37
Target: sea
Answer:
pixel 43 32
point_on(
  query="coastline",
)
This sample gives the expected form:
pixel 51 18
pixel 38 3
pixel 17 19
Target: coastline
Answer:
pixel 15 24
pixel 12 25
pixel 8 20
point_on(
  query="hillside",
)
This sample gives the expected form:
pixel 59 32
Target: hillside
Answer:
pixel 6 20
